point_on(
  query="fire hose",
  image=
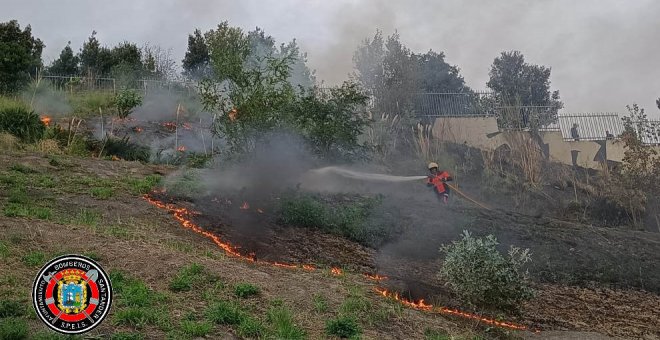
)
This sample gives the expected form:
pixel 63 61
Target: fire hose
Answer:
pixel 467 197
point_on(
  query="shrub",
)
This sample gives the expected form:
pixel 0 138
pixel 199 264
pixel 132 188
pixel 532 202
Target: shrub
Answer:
pixel 10 308
pixel 343 327
pixel 124 149
pixel 126 100
pixel 481 276
pixel 22 123
pixel 8 141
pixel 244 290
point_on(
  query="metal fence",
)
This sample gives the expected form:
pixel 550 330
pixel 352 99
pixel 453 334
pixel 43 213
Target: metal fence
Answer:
pixel 84 84
pixel 652 134
pixel 590 126
pixel 453 104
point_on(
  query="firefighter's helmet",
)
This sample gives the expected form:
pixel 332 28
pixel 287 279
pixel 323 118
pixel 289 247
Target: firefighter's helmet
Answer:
pixel 433 165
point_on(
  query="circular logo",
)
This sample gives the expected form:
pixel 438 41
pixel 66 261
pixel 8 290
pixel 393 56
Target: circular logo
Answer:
pixel 72 294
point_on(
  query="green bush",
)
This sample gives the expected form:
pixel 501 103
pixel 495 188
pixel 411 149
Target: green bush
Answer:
pixel 22 123
pixel 10 308
pixel 125 101
pixel 124 149
pixel 244 290
pixel 481 276
pixel 343 327
pixel 14 329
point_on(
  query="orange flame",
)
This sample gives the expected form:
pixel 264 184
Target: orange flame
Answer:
pixel 181 148
pixel 187 126
pixel 245 206
pixel 375 277
pixel 46 120
pixel 169 125
pixel 182 216
pixel 421 305
pixel 138 129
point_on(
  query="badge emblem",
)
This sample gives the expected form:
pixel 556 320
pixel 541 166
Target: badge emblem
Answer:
pixel 72 294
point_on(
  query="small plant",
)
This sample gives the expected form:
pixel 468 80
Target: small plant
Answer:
pixel 127 100
pixel 284 326
pixel 9 308
pixel 198 160
pixel 13 328
pixel 22 123
pixel 145 185
pixel 225 313
pixel 343 327
pixel 124 149
pixel 87 217
pixel 196 329
pixel 320 303
pixel 4 250
pixel 22 169
pixel 430 334
pixel 34 259
pixel 245 290
pixel 102 193
pixel 186 277
pixel 481 276
pixel 251 328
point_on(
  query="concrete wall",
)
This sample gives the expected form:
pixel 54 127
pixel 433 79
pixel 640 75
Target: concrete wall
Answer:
pixel 483 133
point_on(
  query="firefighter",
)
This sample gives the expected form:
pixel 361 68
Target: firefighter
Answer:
pixel 437 179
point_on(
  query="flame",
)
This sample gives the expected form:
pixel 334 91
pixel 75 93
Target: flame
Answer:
pixel 233 115
pixel 375 277
pixel 187 126
pixel 421 305
pixel 138 129
pixel 182 215
pixel 46 120
pixel 181 148
pixel 169 125
pixel 245 206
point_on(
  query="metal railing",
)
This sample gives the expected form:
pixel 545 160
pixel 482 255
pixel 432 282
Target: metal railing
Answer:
pixel 652 134
pixel 590 126
pixel 453 104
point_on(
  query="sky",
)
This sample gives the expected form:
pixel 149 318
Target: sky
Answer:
pixel 604 54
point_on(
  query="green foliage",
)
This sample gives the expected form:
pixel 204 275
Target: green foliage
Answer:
pixel 127 100
pixel 124 149
pixel 20 56
pixel 476 271
pixel 197 59
pixel 198 160
pixel 11 308
pixel 126 336
pixel 343 327
pixel 245 290
pixel 27 210
pixel 22 123
pixel 283 324
pixel 4 250
pixel 66 64
pixel 87 217
pixel 89 103
pixel 186 278
pixel 13 328
pixel 430 334
pixel 144 186
pixel 34 259
pixel 49 335
pixel 320 303
pixel 141 316
pixel 355 220
pixel 24 169
pixel 196 329
pixel 102 193
pixel 187 185
pixel 251 328
pixel 225 313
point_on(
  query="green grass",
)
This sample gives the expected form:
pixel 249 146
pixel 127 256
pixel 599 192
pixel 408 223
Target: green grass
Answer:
pixel 34 259
pixel 49 335
pixel 4 250
pixel 9 308
pixel 320 303
pixel 14 329
pixel 225 313
pixel 22 169
pixel 196 329
pixel 343 327
pixel 126 336
pixel 133 292
pixel 143 186
pixel 18 195
pixel 27 210
pixel 245 290
pixel 250 327
pixel 87 217
pixel 430 334
pixel 139 317
pixel 93 255
pixel 187 277
pixel 102 193
pixel 45 181
pixel 283 324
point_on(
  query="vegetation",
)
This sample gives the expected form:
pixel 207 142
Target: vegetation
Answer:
pixel 245 290
pixel 343 327
pixel 22 123
pixel 20 56
pixel 123 148
pixel 480 276
pixel 127 100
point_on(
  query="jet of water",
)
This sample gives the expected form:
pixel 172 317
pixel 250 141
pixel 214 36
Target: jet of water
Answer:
pixel 366 176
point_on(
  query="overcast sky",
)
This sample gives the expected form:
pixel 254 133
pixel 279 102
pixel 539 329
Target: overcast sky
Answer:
pixel 604 54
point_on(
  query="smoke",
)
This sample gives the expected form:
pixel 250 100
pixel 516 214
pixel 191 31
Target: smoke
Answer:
pixel 46 101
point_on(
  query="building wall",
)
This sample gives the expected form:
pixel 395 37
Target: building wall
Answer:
pixel 483 133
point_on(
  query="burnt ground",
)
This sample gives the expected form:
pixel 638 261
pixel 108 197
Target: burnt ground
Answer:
pixel 598 275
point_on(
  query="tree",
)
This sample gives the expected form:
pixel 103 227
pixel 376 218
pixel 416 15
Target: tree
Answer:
pixel 437 76
pixel 66 64
pixel 197 60
pixel 20 56
pixel 517 83
pixel 657 102
pixel 89 55
pixel 158 62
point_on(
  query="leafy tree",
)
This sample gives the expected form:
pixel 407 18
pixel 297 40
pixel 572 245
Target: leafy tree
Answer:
pixel 89 56
pixel 126 100
pixel 517 83
pixel 197 60
pixel 20 56
pixel 66 64
pixel 436 76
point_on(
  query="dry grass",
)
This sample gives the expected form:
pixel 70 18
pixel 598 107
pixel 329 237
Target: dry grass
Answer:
pixel 48 146
pixel 526 155
pixel 383 134
pixel 426 148
pixel 8 141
